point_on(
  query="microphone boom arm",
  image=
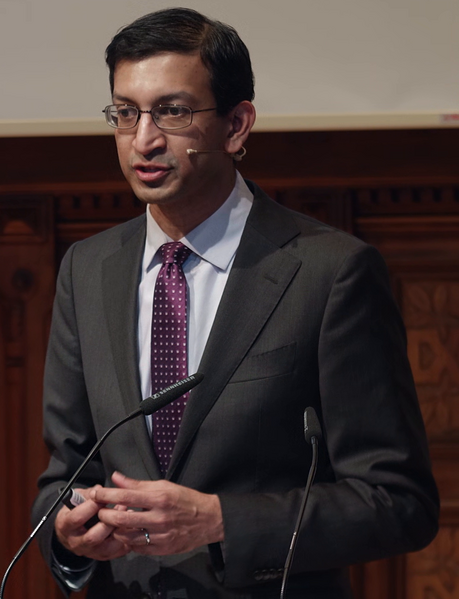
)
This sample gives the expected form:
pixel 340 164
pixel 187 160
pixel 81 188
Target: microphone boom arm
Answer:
pixel 147 406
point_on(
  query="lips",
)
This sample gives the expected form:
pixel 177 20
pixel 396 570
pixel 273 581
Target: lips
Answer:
pixel 151 172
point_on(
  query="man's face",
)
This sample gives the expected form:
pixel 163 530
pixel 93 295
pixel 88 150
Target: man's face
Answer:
pixel 154 161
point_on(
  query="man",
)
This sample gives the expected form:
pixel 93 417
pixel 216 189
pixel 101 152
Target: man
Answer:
pixel 283 313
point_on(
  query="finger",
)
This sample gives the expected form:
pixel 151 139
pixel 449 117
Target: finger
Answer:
pixel 81 514
pixel 126 497
pixel 98 532
pixel 108 549
pixel 68 522
pixel 140 494
pixel 133 538
pixel 124 482
pixel 129 521
pixel 85 491
pixel 125 519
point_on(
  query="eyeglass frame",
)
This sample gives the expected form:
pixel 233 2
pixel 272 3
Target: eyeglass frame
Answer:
pixel 140 112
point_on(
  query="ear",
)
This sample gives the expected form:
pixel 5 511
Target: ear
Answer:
pixel 241 120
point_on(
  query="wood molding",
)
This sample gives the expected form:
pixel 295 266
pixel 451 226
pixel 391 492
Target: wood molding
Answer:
pixel 265 122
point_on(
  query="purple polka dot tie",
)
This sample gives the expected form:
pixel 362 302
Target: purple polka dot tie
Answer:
pixel 169 346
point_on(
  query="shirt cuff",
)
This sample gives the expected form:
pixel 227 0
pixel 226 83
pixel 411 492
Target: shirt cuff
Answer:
pixel 72 570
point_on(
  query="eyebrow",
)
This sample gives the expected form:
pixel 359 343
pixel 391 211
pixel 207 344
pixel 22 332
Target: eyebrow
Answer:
pixel 165 99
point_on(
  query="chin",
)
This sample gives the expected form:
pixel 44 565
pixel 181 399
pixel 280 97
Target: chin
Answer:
pixel 153 197
pixel 148 194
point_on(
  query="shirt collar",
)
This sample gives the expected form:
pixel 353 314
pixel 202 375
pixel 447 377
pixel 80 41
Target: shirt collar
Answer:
pixel 214 240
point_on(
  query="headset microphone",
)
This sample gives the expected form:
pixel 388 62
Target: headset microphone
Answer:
pixel 191 151
pixel 238 156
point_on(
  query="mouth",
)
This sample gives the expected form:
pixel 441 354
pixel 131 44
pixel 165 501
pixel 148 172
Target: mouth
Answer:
pixel 149 173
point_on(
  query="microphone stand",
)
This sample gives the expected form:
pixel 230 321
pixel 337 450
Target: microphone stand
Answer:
pixel 293 542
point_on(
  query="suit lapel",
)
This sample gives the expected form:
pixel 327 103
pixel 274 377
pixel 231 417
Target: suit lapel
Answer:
pixel 259 277
pixel 120 283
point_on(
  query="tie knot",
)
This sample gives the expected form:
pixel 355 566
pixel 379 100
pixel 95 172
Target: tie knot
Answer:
pixel 174 253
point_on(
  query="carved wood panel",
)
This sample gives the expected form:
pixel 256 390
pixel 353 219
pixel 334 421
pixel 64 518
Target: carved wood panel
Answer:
pixel 434 572
pixel 431 312
pixel 26 290
pixel 423 257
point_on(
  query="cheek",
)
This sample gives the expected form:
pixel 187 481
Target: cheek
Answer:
pixel 123 149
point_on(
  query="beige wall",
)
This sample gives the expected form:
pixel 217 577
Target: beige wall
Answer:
pixel 318 63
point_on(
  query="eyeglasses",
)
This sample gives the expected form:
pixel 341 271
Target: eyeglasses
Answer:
pixel 165 116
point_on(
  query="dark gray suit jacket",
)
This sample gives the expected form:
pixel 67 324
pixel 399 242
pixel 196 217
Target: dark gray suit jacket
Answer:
pixel 306 319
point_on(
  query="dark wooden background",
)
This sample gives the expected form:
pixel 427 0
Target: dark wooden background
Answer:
pixel 398 190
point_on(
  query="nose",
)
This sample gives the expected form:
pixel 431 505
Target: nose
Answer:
pixel 148 136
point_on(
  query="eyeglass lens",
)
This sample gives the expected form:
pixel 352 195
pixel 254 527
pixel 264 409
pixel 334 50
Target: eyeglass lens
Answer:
pixel 167 116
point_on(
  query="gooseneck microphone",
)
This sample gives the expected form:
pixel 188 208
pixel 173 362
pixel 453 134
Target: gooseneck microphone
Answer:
pixel 148 406
pixel 159 400
pixel 312 435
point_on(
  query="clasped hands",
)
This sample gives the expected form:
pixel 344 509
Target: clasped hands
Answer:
pixel 149 517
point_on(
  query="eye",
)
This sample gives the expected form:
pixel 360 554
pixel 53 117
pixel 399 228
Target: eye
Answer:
pixel 172 111
pixel 175 110
pixel 126 112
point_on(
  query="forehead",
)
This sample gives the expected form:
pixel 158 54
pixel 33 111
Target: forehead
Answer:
pixel 162 75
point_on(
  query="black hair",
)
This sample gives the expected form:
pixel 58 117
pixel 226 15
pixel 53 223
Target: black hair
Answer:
pixel 186 31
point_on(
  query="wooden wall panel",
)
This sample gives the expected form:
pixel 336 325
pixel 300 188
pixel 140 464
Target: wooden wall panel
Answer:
pixel 433 573
pixel 422 253
pixel 398 190
pixel 27 276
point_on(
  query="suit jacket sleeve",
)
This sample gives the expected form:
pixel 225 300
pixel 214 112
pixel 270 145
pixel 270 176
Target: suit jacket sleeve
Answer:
pixel 68 426
pixel 374 494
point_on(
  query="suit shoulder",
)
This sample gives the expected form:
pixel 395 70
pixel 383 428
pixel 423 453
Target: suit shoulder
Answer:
pixel 320 233
pixel 328 250
pixel 293 229
pixel 106 242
